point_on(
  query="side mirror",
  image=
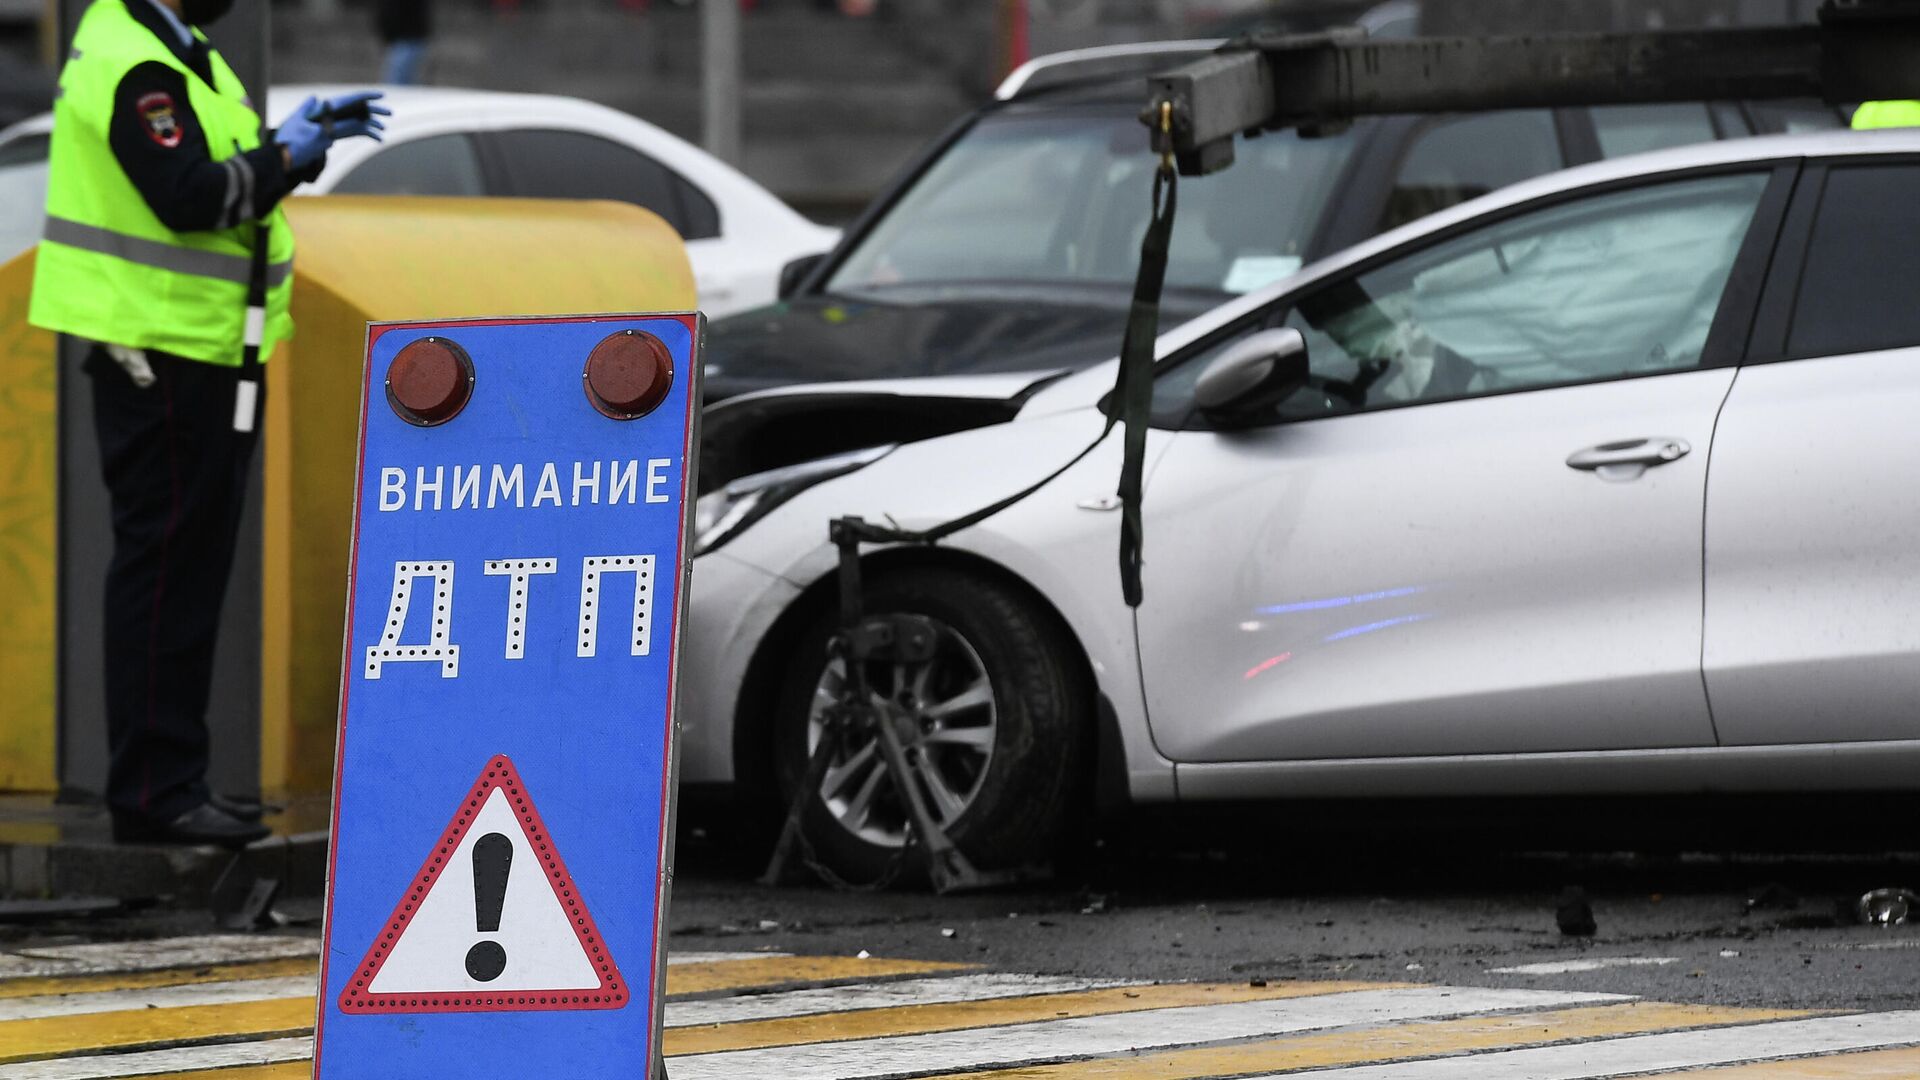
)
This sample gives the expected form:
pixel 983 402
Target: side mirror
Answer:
pixel 1252 376
pixel 796 272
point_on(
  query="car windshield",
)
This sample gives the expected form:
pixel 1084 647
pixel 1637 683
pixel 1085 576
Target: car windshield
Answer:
pixel 1062 198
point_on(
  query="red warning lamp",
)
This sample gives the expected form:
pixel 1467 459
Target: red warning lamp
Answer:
pixel 430 381
pixel 628 374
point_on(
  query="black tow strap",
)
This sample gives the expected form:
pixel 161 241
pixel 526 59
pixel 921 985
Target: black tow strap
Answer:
pixel 1130 404
pixel 1133 387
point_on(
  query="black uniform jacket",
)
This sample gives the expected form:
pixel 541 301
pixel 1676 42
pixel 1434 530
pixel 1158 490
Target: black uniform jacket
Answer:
pixel 160 144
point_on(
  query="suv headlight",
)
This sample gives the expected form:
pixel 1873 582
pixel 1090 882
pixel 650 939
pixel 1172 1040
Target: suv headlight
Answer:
pixel 721 515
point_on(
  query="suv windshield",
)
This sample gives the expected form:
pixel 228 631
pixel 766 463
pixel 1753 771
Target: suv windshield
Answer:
pixel 1060 197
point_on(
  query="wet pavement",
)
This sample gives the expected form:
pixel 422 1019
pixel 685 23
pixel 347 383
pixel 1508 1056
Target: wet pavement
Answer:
pixel 1247 945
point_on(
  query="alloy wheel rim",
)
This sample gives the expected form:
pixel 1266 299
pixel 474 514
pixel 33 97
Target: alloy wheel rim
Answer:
pixel 953 720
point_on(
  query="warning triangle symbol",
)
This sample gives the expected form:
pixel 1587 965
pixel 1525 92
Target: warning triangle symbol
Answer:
pixel 491 923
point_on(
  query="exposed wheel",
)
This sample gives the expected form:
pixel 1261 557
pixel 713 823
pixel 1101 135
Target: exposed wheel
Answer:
pixel 997 724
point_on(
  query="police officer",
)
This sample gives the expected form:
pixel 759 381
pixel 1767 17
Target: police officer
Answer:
pixel 166 249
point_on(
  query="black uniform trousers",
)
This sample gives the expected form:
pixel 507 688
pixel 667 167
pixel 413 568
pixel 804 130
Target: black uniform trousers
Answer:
pixel 177 475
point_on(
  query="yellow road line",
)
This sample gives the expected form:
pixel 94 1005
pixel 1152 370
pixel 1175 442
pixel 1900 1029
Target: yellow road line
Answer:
pixel 1903 1064
pixel 994 1012
pixel 1394 1043
pixel 52 1036
pixel 758 974
pixel 38 985
pixel 126 1029
pixel 694 978
pixel 285 1071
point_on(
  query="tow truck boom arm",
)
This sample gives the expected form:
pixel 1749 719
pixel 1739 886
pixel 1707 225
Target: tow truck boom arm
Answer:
pixel 1861 50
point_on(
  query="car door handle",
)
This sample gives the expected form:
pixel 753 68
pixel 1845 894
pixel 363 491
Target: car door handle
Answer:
pixel 1628 458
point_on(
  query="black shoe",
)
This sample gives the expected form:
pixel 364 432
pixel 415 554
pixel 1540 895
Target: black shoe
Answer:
pixel 204 824
pixel 239 806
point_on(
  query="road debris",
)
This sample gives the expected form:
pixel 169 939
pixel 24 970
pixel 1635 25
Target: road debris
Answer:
pixel 1886 907
pixel 1772 896
pixel 1574 915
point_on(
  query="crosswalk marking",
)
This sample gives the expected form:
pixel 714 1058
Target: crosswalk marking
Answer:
pixel 909 1020
pixel 162 1062
pixel 45 986
pixel 1860 1065
pixel 691 973
pixel 166 997
pixel 1669 1052
pixel 1427 1038
pixel 221 1007
pixel 677 959
pixel 680 1013
pixel 74 969
pixel 1594 963
pixel 1077 1037
pixel 707 977
pixel 291 1070
pixel 22 1040
pixel 833 999
pixel 119 956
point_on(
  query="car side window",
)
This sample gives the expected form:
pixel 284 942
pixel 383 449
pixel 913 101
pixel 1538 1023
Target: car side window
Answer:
pixel 549 164
pixel 25 150
pixel 700 217
pixel 1794 118
pixel 1637 129
pixel 1460 158
pixel 1856 286
pixel 435 165
pixel 1607 286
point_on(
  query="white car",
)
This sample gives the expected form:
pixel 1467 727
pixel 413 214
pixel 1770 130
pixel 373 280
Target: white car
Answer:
pixel 1606 482
pixel 483 142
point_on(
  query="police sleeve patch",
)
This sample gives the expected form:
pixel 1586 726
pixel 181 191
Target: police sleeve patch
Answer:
pixel 158 119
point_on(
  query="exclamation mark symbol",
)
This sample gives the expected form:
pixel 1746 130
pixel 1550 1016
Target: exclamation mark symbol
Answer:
pixel 492 862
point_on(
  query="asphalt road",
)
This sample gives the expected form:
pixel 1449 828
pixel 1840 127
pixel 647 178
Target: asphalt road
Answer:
pixel 1389 943
pixel 1229 897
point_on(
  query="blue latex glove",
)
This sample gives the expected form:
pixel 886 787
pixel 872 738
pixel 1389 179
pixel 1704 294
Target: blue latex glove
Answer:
pixel 316 124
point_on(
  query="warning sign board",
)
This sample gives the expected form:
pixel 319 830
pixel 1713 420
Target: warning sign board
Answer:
pixel 504 783
pixel 518 920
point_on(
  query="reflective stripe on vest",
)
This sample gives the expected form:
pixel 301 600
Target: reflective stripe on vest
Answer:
pixel 160 256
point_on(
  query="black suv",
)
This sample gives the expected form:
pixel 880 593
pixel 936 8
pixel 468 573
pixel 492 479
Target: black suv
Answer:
pixel 1010 245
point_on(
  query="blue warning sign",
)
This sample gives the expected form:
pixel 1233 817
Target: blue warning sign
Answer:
pixel 503 795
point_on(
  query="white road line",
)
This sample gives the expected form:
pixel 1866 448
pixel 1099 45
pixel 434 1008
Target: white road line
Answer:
pixel 1013 1045
pixel 1640 1054
pixel 1564 967
pixel 151 1062
pixel 932 991
pixel 721 957
pixel 936 991
pixel 116 956
pixel 159 997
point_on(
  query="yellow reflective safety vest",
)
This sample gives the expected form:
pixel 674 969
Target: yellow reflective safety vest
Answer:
pixel 107 269
pixel 1886 114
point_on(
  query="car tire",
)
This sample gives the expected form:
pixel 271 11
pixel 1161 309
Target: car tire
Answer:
pixel 1034 709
